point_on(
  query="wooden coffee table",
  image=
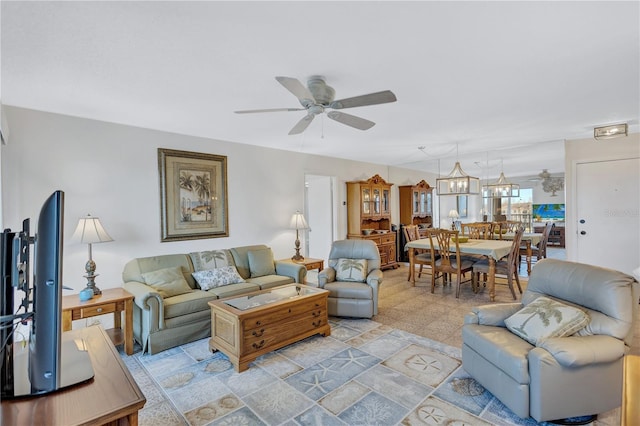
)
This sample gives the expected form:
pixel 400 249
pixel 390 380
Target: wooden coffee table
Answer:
pixel 248 326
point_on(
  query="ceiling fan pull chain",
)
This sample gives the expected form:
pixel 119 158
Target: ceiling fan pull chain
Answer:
pixel 322 127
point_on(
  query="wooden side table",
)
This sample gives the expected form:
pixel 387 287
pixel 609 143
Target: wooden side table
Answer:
pixel 309 263
pixel 630 414
pixel 112 300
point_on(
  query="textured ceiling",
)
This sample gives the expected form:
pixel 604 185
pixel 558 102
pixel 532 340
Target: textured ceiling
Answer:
pixel 508 81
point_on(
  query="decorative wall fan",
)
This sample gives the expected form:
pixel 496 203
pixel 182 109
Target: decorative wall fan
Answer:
pixel 317 97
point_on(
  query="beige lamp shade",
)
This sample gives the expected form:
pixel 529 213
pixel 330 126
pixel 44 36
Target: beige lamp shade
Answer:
pixel 453 214
pixel 298 221
pixel 90 231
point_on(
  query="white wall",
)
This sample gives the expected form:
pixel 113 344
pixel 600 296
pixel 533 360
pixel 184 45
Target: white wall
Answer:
pixel 111 171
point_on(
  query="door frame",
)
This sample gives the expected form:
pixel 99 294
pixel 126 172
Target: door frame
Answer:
pixel 332 220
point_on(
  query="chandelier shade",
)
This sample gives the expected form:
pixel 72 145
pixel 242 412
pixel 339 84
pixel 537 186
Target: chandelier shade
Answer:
pixel 457 183
pixel 501 188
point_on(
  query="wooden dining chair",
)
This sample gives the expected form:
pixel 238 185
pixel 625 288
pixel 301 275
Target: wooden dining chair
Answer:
pixel 449 262
pixel 479 231
pixel 421 257
pixel 538 251
pixel 507 266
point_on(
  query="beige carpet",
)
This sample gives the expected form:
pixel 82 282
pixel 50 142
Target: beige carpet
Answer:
pixel 438 316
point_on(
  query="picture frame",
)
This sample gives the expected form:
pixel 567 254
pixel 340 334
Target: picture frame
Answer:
pixel 462 203
pixel 193 195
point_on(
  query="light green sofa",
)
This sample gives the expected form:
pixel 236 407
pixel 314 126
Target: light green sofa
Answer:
pixel 162 323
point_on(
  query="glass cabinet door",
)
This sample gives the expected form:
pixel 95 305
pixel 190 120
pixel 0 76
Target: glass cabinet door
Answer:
pixel 416 202
pixel 376 201
pixel 423 202
pixel 366 201
pixel 429 203
pixel 385 202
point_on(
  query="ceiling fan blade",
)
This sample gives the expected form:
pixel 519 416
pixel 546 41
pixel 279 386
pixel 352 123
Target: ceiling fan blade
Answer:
pixel 351 120
pixel 363 100
pixel 298 89
pixel 302 124
pixel 250 111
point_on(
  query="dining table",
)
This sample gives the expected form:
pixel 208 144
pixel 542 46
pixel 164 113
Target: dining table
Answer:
pixel 492 249
pixel 529 239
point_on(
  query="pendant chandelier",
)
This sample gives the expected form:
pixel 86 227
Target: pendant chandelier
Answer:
pixel 501 188
pixel 457 182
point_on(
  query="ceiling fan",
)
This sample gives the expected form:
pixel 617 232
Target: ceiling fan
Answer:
pixel 317 97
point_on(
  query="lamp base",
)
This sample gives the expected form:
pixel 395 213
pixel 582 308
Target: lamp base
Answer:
pixel 90 267
pixel 297 257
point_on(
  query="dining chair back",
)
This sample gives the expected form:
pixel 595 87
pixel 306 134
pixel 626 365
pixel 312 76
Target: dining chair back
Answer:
pixel 479 231
pixel 421 257
pixel 450 262
pixel 538 251
pixel 507 266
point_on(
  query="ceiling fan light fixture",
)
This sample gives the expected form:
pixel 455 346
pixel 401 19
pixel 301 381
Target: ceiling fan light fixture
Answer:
pixel 611 131
pixel 457 183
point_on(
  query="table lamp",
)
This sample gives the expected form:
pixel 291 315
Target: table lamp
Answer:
pixel 90 231
pixel 453 214
pixel 298 222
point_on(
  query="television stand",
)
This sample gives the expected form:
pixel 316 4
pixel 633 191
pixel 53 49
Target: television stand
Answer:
pixel 75 365
pixel 111 396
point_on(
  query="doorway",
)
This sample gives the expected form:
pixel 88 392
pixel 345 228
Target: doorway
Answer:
pixel 320 211
pixel 607 213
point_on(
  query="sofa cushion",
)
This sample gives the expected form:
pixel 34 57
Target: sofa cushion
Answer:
pixel 269 281
pixel 545 318
pixel 354 270
pixel 211 259
pixel 167 282
pixel 217 277
pixel 261 262
pixel 234 289
pixel 187 303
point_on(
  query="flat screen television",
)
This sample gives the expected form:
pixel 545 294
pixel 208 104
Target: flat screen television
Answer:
pixel 548 212
pixel 49 362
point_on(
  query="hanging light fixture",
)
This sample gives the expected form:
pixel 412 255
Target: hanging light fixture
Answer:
pixel 501 188
pixel 457 182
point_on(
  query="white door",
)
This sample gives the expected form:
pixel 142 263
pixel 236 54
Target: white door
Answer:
pixel 320 213
pixel 608 213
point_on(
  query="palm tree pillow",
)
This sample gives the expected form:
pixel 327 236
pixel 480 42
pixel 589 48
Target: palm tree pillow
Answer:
pixel 351 270
pixel 545 318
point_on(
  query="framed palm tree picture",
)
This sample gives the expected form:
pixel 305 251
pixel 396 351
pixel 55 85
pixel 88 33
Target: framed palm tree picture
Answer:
pixel 193 195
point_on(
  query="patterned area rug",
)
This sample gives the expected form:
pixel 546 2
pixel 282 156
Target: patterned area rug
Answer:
pixel 365 373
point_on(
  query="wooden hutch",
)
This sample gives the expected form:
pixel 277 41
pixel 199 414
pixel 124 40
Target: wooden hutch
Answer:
pixel 369 216
pixel 416 205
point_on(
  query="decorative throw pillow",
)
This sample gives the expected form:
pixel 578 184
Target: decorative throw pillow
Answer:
pixel 217 277
pixel 351 270
pixel 168 282
pixel 544 318
pixel 261 262
pixel 211 259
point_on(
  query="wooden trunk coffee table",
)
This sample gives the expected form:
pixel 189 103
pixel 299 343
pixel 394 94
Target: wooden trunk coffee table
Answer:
pixel 245 327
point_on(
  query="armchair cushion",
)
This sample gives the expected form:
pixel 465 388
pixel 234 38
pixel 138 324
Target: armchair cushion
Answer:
pixel 168 281
pixel 261 262
pixel 579 351
pixel 217 277
pixel 545 318
pixel 353 270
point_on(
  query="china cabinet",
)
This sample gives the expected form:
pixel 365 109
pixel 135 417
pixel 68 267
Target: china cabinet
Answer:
pixel 369 216
pixel 416 205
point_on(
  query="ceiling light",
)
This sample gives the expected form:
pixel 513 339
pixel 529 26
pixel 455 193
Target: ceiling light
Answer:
pixel 501 188
pixel 610 132
pixel 457 183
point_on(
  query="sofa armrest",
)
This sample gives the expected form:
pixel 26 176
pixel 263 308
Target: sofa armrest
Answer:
pixel 294 270
pixel 148 299
pixel 578 351
pixel 327 275
pixel 492 314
